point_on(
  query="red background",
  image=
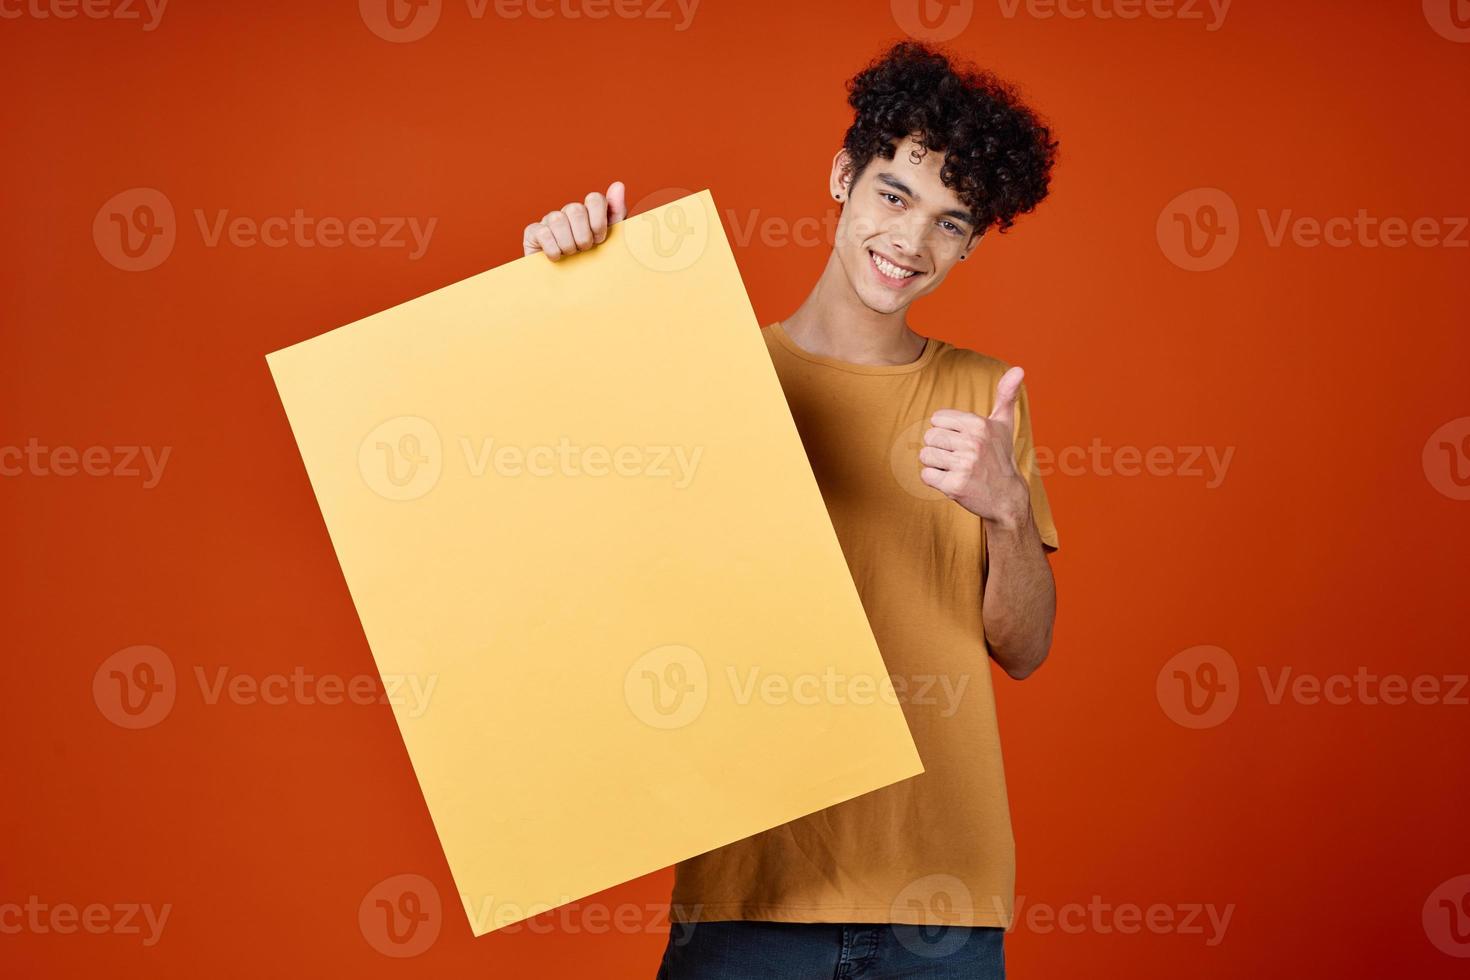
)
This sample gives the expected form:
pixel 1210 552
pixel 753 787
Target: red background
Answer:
pixel 1327 547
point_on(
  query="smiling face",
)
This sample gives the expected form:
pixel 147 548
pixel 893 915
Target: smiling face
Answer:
pixel 901 229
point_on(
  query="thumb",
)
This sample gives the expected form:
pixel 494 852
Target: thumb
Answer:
pixel 1005 396
pixel 617 202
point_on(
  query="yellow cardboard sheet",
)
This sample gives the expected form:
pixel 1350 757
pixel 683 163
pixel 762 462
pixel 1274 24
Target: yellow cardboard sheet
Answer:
pixel 569 501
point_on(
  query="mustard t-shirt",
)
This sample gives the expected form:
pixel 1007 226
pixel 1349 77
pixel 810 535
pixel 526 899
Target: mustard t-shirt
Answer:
pixel 935 848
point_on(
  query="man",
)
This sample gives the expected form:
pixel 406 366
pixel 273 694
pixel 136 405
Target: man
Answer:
pixel 924 455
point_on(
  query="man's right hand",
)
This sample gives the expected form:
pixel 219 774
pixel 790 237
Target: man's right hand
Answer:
pixel 577 227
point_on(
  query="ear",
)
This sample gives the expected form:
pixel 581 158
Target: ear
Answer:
pixel 840 180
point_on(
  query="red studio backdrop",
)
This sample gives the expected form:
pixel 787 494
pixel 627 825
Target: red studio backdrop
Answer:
pixel 1243 317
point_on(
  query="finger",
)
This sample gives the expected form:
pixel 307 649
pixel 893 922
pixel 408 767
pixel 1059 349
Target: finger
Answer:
pixel 936 478
pixel 530 239
pixel 597 216
pixel 617 202
pixel 947 439
pixel 581 225
pixel 546 241
pixel 561 230
pixel 939 459
pixel 1005 396
pixel 957 421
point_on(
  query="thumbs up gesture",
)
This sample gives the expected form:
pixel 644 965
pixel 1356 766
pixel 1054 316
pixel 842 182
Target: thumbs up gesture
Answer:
pixel 971 460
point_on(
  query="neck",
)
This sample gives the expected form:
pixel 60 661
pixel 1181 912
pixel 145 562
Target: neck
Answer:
pixel 833 322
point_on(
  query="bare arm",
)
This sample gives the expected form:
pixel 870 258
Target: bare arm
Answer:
pixel 1020 602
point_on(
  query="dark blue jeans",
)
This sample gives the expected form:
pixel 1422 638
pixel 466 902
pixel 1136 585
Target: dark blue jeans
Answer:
pixel 831 951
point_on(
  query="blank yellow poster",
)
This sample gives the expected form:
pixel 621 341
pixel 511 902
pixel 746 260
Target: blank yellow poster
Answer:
pixel 571 498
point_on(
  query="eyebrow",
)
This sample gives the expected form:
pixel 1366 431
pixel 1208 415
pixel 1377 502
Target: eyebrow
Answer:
pixel 898 185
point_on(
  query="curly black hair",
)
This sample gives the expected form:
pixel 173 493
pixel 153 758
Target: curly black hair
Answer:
pixel 998 154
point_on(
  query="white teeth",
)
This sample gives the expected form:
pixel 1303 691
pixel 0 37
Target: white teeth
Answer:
pixel 889 269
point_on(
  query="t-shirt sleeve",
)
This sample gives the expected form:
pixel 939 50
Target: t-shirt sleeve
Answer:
pixel 1027 467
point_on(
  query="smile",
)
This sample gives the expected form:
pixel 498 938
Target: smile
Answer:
pixel 893 276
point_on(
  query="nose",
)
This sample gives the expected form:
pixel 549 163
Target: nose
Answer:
pixel 907 234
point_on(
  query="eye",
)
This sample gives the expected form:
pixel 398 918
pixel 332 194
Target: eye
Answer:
pixel 951 227
pixel 890 198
